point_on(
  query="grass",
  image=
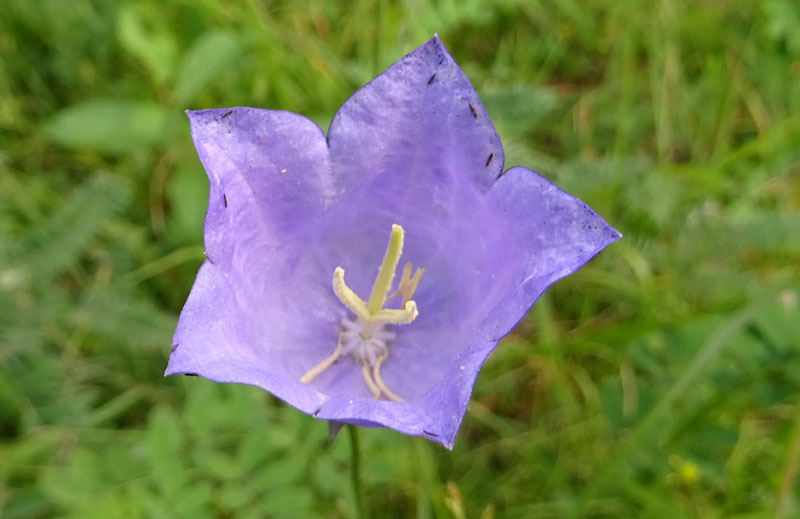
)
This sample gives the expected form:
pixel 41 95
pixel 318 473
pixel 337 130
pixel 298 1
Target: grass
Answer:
pixel 662 380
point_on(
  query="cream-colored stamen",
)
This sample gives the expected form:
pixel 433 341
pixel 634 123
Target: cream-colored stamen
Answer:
pixel 309 375
pixel 364 338
pixel 376 374
pixel 373 388
pixel 347 296
pixel 408 284
pixel 404 316
pixel 404 277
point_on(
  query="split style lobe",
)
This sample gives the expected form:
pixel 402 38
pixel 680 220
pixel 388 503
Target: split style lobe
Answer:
pixel 289 207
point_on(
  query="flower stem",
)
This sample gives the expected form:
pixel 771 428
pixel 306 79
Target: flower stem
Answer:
pixel 355 473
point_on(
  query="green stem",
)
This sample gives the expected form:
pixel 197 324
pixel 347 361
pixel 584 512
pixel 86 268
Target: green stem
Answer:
pixel 355 473
pixel 425 479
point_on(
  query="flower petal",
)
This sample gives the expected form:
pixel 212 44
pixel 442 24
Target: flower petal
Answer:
pixel 420 121
pixel 532 234
pixel 413 147
pixel 267 170
pixel 247 319
pixel 436 416
pixel 218 339
pixel 543 234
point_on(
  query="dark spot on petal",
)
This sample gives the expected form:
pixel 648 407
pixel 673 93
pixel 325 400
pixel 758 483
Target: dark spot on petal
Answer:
pixel 432 78
pixel 489 160
pixel 315 413
pixel 191 374
pixel 226 114
pixel 474 112
pixel 225 199
pixel 429 433
pixel 174 347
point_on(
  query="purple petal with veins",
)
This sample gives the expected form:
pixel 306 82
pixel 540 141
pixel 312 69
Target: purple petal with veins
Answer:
pixel 287 206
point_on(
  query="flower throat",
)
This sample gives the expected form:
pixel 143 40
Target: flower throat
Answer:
pixel 364 337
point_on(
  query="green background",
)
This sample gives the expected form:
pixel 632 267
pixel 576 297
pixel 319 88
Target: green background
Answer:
pixel 662 380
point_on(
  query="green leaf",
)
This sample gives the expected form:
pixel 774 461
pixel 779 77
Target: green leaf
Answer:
pixel 57 242
pixel 187 192
pixel 76 483
pixel 518 107
pixel 155 49
pixel 114 127
pixel 163 448
pixel 210 55
pixel 252 450
pixel 234 495
pixel 277 473
pixel 193 500
pixel 218 464
pixel 282 500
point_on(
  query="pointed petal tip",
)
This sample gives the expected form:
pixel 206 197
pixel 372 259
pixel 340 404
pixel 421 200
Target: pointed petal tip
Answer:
pixel 172 370
pixel 195 117
pixel 446 440
pixel 434 41
pixel 219 113
pixel 193 114
pixel 605 235
pixel 613 234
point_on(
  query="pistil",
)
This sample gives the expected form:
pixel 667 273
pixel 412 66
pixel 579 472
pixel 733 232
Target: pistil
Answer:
pixel 364 338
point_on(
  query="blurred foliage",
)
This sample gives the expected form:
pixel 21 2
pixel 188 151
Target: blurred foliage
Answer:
pixel 662 380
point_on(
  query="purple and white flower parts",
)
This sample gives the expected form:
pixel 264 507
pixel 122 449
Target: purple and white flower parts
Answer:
pixel 411 159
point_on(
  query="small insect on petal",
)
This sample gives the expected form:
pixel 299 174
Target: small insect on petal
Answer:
pixel 432 78
pixel 474 111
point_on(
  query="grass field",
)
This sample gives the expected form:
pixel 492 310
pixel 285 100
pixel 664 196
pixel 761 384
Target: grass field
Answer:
pixel 661 381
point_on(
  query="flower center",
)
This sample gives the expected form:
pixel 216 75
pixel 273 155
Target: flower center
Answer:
pixel 364 338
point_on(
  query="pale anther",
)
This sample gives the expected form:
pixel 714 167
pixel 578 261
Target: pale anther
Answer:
pixel 408 284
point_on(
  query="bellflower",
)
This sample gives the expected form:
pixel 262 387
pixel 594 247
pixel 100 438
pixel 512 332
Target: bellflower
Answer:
pixel 364 277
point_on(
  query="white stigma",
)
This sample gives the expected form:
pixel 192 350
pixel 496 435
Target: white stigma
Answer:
pixel 365 342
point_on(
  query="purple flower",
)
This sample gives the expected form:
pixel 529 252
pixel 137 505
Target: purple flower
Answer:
pixel 411 159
